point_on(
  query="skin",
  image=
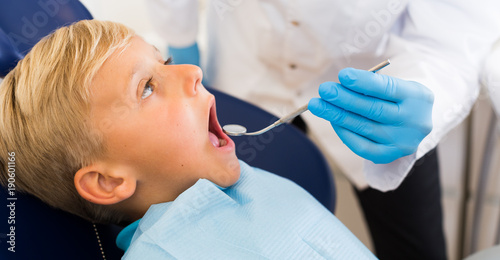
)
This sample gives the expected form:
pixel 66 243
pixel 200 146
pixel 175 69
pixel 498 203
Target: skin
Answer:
pixel 155 122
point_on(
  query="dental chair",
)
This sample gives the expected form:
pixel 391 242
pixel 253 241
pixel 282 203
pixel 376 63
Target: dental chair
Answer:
pixel 42 232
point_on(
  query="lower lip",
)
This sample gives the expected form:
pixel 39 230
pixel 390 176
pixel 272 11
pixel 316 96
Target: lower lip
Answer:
pixel 229 147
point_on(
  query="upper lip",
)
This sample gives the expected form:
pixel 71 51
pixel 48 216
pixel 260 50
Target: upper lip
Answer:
pixel 213 123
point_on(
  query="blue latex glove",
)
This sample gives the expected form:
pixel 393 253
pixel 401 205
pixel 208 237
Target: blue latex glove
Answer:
pixel 185 55
pixel 380 118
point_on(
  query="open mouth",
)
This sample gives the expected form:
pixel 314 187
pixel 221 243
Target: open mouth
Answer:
pixel 217 137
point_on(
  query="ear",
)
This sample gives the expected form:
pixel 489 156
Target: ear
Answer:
pixel 104 185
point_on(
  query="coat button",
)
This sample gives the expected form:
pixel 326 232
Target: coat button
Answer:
pixel 295 23
pixel 293 66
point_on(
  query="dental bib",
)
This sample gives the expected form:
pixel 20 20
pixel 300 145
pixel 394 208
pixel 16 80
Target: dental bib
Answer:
pixel 262 216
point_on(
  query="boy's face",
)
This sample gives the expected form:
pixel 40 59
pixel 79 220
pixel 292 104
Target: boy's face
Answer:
pixel 159 123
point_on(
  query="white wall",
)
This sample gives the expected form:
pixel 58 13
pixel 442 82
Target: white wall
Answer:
pixel 132 13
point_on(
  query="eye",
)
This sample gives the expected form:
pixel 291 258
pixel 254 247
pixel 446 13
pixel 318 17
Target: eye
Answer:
pixel 148 89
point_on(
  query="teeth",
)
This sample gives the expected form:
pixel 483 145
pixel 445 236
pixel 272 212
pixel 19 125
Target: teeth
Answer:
pixel 222 142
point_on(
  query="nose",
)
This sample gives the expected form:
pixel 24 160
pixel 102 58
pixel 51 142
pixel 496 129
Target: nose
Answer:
pixel 190 77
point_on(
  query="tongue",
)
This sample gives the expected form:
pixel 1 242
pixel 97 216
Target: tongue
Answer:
pixel 213 139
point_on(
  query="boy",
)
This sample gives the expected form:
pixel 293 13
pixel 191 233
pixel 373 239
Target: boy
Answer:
pixel 110 132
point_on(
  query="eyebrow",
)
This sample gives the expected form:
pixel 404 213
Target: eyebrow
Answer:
pixel 138 66
pixel 156 49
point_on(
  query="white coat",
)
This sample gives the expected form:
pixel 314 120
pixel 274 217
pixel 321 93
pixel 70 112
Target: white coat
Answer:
pixel 276 53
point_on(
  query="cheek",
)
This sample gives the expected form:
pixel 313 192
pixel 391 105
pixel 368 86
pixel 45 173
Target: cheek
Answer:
pixel 177 137
pixel 167 136
pixel 188 119
pixel 182 126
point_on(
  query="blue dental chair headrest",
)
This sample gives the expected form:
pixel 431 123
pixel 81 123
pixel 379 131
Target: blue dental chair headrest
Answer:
pixel 25 22
pixel 9 56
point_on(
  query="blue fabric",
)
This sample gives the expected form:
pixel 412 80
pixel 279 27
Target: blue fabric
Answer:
pixel 185 55
pixel 262 216
pixel 22 25
pixel 125 236
pixel 9 55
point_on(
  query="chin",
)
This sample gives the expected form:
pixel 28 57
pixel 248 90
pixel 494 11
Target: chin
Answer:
pixel 230 173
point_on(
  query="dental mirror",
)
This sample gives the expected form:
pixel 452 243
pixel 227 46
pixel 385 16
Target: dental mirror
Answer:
pixel 234 130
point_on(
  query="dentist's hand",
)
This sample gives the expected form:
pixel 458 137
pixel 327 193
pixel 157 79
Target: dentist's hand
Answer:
pixel 380 118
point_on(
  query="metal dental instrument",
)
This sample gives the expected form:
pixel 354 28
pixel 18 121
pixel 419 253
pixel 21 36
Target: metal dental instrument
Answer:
pixel 238 130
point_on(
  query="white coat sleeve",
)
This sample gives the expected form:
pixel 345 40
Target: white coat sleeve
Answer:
pixel 441 44
pixel 176 21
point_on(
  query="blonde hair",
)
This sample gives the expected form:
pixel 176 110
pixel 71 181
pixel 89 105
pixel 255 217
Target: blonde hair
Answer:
pixel 44 110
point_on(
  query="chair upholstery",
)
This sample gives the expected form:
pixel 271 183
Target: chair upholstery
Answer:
pixel 42 232
pixel 27 21
pixel 8 54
